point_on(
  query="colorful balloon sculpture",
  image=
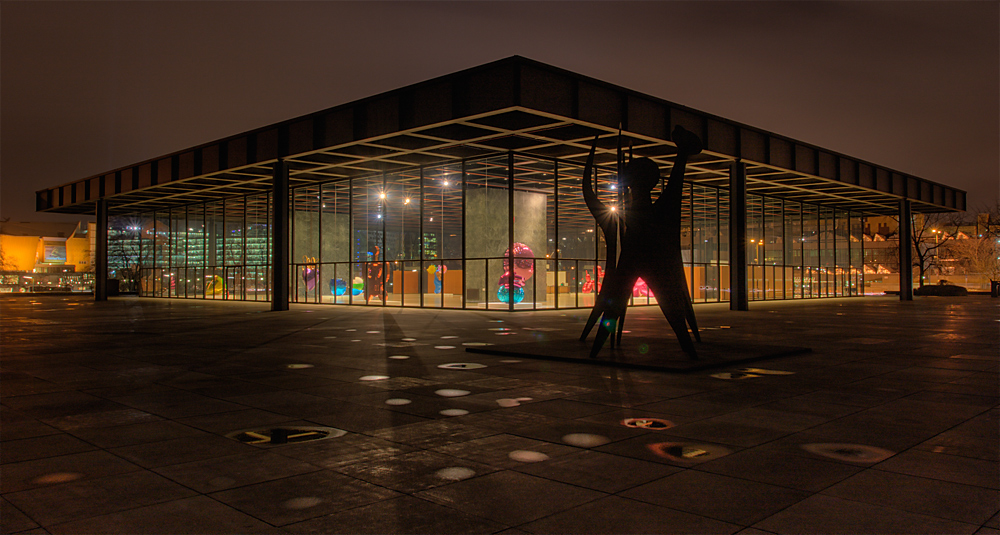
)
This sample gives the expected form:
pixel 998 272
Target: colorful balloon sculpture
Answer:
pixel 339 287
pixel 437 274
pixel 310 273
pixel 641 289
pixel 512 281
pixel 216 286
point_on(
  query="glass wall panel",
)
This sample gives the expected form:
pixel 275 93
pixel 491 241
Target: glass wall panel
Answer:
pixel 258 247
pixel 442 270
pixel 304 216
pixel 533 195
pixel 335 284
pixel 793 250
pixel 756 283
pixel 810 250
pixel 774 248
pixel 827 245
pixel 487 212
pixel 368 200
pixel 215 282
pixel 705 244
pixel 402 220
pixel 724 281
pixel 857 237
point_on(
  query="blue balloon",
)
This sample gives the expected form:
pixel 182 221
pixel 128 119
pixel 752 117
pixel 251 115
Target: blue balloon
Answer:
pixel 338 286
pixel 503 294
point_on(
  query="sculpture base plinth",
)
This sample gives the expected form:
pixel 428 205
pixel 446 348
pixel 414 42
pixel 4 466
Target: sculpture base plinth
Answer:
pixel 645 354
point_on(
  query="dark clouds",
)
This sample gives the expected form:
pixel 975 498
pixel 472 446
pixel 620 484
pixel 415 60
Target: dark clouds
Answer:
pixel 90 86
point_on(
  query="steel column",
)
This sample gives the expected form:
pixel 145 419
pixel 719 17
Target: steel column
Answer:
pixel 738 297
pixel 101 255
pixel 905 252
pixel 279 237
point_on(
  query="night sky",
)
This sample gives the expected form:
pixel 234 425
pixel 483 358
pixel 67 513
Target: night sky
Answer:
pixel 86 87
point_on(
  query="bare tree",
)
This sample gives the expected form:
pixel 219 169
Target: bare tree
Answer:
pixel 929 237
pixel 980 252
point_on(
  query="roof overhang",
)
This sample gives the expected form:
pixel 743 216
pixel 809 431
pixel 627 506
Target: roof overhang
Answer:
pixel 513 104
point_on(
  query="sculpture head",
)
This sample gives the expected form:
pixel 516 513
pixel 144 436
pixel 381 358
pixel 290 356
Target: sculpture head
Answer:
pixel 640 176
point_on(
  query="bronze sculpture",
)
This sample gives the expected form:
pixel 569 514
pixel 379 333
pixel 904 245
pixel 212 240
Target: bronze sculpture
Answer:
pixel 649 233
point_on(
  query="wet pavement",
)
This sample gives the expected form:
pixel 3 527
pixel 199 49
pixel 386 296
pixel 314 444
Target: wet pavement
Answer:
pixel 169 416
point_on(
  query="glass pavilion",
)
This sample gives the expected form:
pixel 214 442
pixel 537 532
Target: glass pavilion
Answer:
pixel 417 197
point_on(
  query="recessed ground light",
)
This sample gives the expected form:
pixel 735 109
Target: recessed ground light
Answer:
pixel 453 412
pixel 455 473
pixel 511 402
pixel 57 477
pixel 461 366
pixel 399 357
pixel 647 423
pixel 350 330
pixel 451 392
pixel 687 452
pixel 448 337
pixel 857 453
pixel 526 456
pixel 373 377
pixel 585 440
pixel 762 371
pixel 408 339
pixel 285 435
pixel 734 375
pixel 301 503
pixel 372 332
pixel 397 401
pixel 444 347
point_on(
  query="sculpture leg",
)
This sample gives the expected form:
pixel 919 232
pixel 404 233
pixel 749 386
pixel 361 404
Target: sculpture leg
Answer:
pixel 675 308
pixel 621 326
pixel 614 300
pixel 676 320
pixel 692 321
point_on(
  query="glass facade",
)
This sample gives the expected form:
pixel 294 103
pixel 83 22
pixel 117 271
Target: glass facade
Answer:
pixel 505 232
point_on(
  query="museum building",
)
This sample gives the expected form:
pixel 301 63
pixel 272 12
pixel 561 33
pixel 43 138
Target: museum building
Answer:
pixel 430 195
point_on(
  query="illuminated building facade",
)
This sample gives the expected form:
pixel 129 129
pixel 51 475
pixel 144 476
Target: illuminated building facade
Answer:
pixel 426 195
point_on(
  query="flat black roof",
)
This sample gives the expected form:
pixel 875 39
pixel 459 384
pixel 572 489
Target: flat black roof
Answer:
pixel 511 104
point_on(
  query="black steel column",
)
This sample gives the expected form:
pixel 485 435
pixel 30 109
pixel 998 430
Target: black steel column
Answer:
pixel 279 237
pixel 905 252
pixel 738 297
pixel 510 231
pixel 101 254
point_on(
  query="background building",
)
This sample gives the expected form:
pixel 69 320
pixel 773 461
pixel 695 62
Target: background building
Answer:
pixel 45 257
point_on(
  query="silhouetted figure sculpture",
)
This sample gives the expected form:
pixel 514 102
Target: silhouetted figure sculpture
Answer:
pixel 650 234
